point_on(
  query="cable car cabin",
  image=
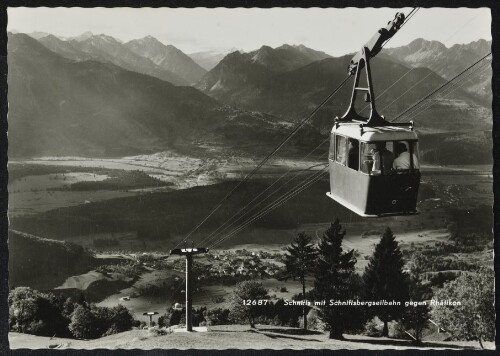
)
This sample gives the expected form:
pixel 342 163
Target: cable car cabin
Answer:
pixel 374 170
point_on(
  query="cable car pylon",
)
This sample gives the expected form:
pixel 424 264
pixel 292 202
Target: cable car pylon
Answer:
pixel 189 253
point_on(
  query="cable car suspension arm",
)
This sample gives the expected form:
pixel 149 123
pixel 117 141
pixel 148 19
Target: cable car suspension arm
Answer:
pixel 362 60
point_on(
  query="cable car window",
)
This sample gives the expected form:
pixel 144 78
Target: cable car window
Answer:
pixel 414 150
pixel 331 153
pixel 353 154
pixel 340 149
pixel 383 158
pixel 367 157
pixel 406 159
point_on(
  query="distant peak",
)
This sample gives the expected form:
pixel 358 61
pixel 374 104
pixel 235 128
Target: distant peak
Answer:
pixel 234 54
pixel 84 36
pixel 423 43
pixel 233 57
pixel 106 37
pixel 265 48
pixel 285 46
pixel 150 38
pixel 37 34
pixel 50 37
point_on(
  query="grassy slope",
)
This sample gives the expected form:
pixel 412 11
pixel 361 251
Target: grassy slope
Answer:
pixel 233 337
pixel 43 263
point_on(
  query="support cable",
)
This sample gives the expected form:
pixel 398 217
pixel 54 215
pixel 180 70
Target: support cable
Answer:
pixel 278 147
pixel 278 202
pixel 232 218
pixel 440 87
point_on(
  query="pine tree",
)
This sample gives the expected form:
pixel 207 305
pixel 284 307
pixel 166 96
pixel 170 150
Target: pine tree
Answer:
pixel 299 262
pixel 335 280
pixel 385 280
pixel 416 317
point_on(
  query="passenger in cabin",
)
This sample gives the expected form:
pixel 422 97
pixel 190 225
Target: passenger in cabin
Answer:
pixel 353 159
pixel 402 160
pixel 382 159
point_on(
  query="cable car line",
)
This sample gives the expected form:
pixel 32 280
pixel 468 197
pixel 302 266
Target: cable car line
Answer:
pixel 273 204
pixel 409 89
pixel 236 221
pixel 415 109
pixel 231 220
pixel 450 90
pixel 269 187
pixel 281 200
pixel 407 18
pixel 278 147
pixel 389 31
pixel 413 68
pixel 276 203
pixel 419 104
pixel 440 87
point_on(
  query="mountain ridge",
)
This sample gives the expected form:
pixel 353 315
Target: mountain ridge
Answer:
pixel 58 106
pixel 167 57
pixel 447 61
pixel 107 49
pixel 250 69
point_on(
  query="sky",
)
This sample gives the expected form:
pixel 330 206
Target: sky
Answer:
pixel 334 31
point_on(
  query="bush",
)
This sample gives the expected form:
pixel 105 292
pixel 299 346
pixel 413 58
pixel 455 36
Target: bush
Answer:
pixel 217 316
pixel 313 321
pixel 91 322
pixel 159 331
pixel 178 317
pixel 33 312
pixel 371 329
pixel 474 319
pixel 170 318
pixel 397 330
pixel 218 299
pixel 83 324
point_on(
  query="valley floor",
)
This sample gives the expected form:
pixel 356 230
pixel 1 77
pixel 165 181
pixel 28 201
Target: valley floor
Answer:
pixel 234 337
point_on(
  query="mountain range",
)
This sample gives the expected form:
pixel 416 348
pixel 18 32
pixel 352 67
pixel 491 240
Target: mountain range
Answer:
pixel 94 95
pixel 167 57
pixel 209 59
pixel 267 81
pixel 241 72
pixel 447 62
pixel 59 106
pixel 107 49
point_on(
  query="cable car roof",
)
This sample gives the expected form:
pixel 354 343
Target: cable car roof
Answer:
pixel 377 133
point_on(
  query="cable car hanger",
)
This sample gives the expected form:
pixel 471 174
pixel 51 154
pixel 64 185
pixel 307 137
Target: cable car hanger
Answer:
pixel 360 61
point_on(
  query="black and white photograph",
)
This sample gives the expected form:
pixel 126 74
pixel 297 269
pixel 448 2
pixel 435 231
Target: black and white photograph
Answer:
pixel 279 178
